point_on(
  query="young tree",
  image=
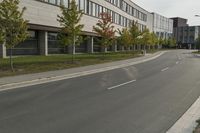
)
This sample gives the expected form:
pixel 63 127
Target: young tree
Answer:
pixel 173 42
pixel 146 38
pixel 161 41
pixel 13 27
pixel 154 39
pixel 125 38
pixel 71 27
pixel 135 33
pixel 105 29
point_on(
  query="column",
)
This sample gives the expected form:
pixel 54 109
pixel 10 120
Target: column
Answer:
pixel 43 42
pixel 114 47
pixel 103 49
pixel 90 44
pixel 134 47
pixel 2 51
pixel 121 48
pixel 71 49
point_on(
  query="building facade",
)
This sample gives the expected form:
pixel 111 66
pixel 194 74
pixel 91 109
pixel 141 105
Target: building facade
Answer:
pixel 44 27
pixel 162 26
pixel 185 35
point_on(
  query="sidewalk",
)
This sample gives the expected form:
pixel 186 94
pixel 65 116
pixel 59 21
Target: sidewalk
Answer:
pixel 187 123
pixel 39 78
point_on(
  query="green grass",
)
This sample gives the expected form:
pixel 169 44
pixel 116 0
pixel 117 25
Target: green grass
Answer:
pixel 35 64
pixel 196 52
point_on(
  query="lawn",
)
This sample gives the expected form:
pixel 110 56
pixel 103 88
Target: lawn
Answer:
pixel 35 64
pixel 196 52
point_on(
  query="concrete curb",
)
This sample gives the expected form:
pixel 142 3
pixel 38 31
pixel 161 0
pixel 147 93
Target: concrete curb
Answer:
pixel 187 123
pixel 37 81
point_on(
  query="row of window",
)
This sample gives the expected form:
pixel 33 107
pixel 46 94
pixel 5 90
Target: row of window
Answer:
pixel 129 9
pixel 94 9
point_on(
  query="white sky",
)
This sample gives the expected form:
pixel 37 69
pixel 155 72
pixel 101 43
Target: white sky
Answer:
pixel 173 8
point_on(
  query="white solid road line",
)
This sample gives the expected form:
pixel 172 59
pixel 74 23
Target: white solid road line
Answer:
pixel 110 88
pixel 165 69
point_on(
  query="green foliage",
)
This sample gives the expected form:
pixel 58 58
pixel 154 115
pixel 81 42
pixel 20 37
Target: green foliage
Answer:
pixel 125 37
pixel 146 38
pixel 160 41
pixel 172 42
pixel 105 29
pixel 154 39
pixel 13 28
pixel 69 21
pixel 135 33
pixel 1 38
pixel 169 42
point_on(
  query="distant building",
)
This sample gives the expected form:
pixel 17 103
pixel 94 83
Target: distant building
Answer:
pixel 162 26
pixel 185 35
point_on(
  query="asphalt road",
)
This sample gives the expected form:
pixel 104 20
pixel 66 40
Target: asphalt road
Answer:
pixel 144 98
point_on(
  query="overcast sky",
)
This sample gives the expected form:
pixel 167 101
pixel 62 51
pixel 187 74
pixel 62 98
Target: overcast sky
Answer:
pixel 173 8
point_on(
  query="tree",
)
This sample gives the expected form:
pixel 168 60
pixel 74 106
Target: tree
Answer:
pixel 146 39
pixel 174 42
pixel 70 33
pixel 161 41
pixel 135 33
pixel 171 42
pixel 125 37
pixel 105 29
pixel 13 28
pixel 154 39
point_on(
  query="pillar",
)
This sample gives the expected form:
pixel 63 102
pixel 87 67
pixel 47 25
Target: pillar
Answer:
pixel 114 47
pixel 121 48
pixel 71 50
pixel 43 42
pixel 134 47
pixel 90 44
pixel 103 49
pixel 2 51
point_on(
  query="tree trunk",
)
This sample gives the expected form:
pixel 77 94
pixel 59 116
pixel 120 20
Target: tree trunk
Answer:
pixel 11 61
pixel 73 49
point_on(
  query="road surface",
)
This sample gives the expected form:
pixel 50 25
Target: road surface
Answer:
pixel 145 98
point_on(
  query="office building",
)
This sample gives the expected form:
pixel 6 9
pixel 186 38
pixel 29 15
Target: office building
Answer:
pixel 44 27
pixel 162 26
pixel 185 35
